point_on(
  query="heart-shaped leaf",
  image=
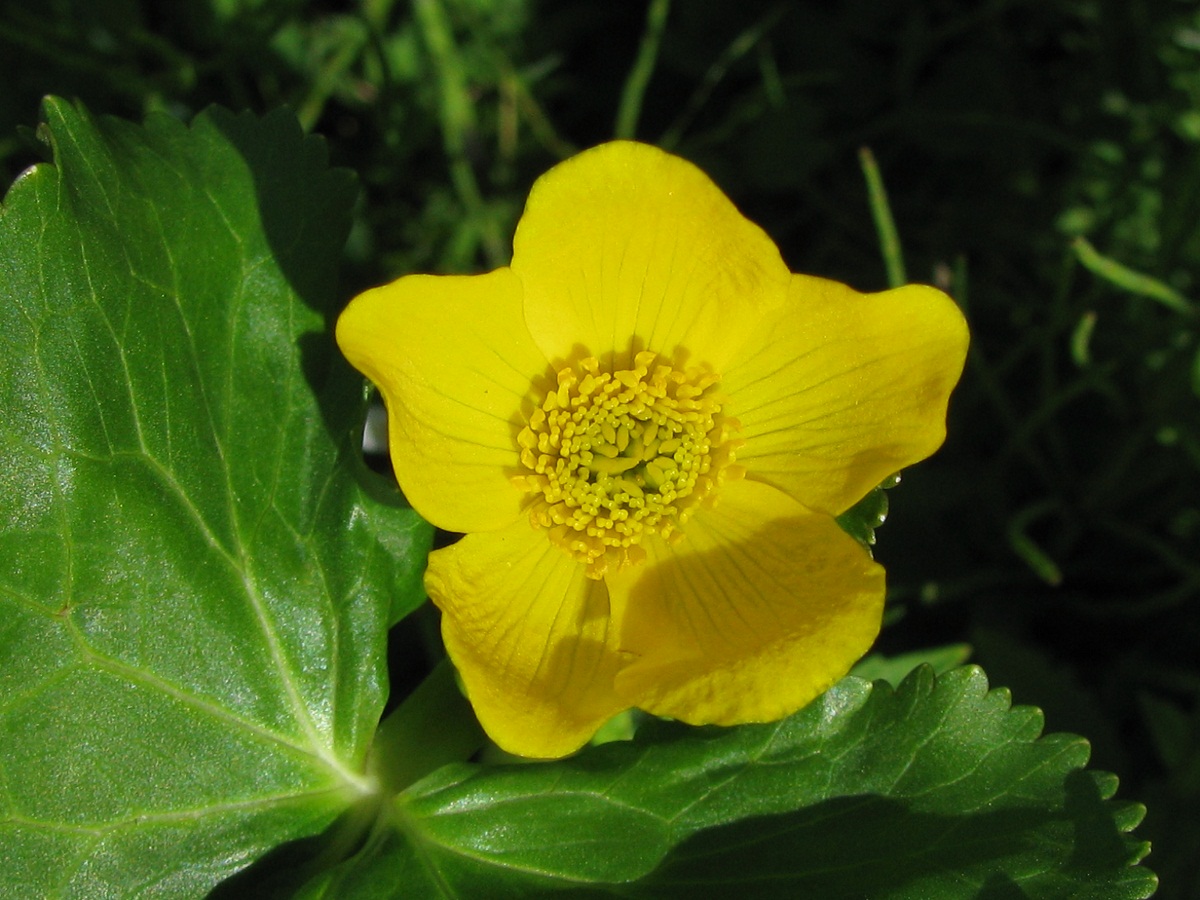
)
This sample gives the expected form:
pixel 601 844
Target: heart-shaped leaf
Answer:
pixel 194 595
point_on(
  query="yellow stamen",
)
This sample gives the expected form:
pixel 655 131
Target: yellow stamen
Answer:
pixel 613 456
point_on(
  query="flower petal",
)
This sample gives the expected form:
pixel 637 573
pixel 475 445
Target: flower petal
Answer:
pixel 454 362
pixel 760 608
pixel 845 389
pixel 531 636
pixel 625 241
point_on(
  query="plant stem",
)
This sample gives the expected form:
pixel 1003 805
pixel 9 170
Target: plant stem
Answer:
pixel 639 76
pixel 738 47
pixel 1128 279
pixel 885 225
pixel 435 725
pixel 458 121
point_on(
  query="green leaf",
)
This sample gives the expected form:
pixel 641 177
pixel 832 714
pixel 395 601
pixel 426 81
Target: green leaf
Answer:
pixel 894 669
pixel 194 595
pixel 939 789
pixel 861 520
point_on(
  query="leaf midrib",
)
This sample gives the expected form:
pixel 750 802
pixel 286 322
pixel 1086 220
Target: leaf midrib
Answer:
pixel 238 564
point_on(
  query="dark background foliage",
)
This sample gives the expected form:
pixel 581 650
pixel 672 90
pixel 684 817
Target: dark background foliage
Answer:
pixel 1058 531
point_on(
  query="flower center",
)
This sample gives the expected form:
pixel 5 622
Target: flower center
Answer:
pixel 612 457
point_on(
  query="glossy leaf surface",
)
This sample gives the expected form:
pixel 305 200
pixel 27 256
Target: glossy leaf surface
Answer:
pixel 193 594
pixel 940 789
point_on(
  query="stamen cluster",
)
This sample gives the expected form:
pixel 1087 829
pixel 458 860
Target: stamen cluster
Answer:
pixel 614 456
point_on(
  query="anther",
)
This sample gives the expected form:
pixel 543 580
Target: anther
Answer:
pixel 614 456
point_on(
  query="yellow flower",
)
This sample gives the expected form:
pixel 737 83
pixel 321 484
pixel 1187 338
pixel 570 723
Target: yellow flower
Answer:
pixel 645 426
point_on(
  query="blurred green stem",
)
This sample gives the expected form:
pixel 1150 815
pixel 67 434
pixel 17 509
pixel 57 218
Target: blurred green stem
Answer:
pixel 329 75
pixel 1124 277
pixel 1025 547
pixel 377 13
pixel 458 121
pixel 532 113
pixel 639 77
pixel 738 47
pixel 432 727
pixel 885 225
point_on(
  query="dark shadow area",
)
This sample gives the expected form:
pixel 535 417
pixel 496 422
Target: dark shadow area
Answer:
pixel 123 58
pixel 284 870
pixel 867 847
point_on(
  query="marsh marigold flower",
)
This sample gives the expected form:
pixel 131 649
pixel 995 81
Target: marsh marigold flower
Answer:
pixel 646 426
